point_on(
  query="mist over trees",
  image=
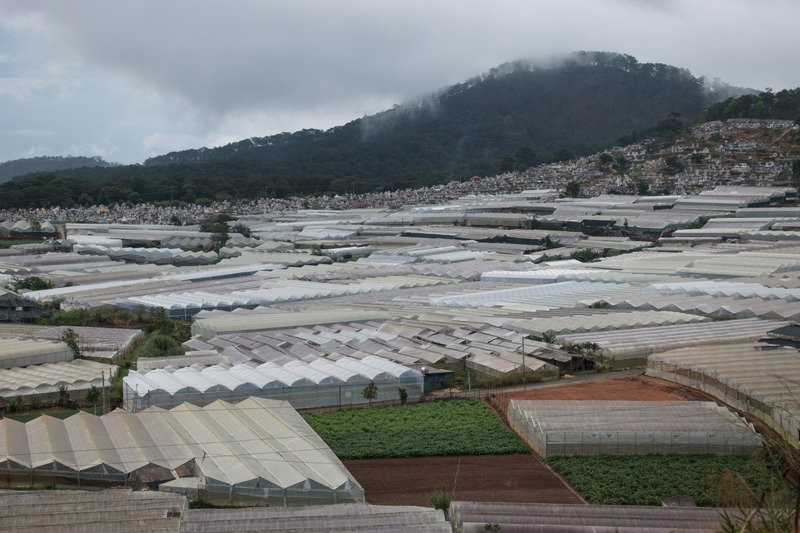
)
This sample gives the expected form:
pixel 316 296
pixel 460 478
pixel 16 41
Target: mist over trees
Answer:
pixel 515 116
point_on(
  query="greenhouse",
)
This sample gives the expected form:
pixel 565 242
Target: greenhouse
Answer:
pixel 187 304
pixel 712 306
pixel 259 452
pixel 569 428
pixel 511 363
pixel 39 384
pixel 759 379
pixel 601 322
pixel 21 352
pixel 236 323
pixel 343 518
pixel 630 347
pixel 320 384
pixel 549 296
pixel 118 510
pixel 167 256
pixel 103 344
pixel 471 517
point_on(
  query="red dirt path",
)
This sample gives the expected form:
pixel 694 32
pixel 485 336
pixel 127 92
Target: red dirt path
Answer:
pixel 501 478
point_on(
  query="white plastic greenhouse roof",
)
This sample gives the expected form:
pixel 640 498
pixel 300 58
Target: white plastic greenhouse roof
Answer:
pixel 769 371
pixel 92 339
pixel 79 374
pixel 356 366
pixel 257 439
pixel 640 342
pixel 601 322
pixel 284 376
pixel 338 371
pixel 341 518
pixel 120 510
pixel 21 352
pixel 535 275
pixel 598 416
pixel 713 306
pixel 233 323
pixel 387 366
pixel 315 375
pixel 724 289
pixel 562 294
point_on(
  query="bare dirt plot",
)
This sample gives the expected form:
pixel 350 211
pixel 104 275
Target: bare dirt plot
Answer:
pixel 623 388
pixel 482 478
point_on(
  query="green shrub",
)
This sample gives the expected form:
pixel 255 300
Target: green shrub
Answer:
pixel 34 283
pixel 440 500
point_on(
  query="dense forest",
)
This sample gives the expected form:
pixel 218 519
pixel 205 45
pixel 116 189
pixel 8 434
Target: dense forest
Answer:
pixel 783 105
pixel 515 116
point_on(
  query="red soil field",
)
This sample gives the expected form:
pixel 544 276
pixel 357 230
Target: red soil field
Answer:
pixel 481 478
pixel 623 388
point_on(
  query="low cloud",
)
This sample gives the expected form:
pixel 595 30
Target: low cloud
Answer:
pixel 221 72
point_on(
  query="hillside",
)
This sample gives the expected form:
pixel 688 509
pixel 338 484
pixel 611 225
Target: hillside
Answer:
pixel 515 116
pixel 36 165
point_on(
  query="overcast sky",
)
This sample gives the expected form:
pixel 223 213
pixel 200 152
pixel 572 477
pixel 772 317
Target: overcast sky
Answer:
pixel 130 80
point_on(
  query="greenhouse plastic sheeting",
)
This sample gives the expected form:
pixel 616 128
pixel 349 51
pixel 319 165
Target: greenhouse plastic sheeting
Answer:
pixel 758 379
pixel 259 452
pixel 625 428
pixel 319 384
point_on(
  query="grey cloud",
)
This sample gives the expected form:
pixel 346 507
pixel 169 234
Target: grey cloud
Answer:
pixel 204 66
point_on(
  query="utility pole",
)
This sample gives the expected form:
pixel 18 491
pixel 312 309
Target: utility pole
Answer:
pixel 523 363
pixel 103 387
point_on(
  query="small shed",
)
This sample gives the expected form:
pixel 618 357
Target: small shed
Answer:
pixel 15 308
pixel 435 378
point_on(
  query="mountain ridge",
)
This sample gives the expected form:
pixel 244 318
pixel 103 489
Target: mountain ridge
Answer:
pixel 515 116
pixel 19 167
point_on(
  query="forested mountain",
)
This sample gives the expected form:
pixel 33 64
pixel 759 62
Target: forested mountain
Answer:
pixel 20 167
pixel 784 105
pixel 517 115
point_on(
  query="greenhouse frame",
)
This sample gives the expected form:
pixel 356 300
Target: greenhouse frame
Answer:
pixel 555 427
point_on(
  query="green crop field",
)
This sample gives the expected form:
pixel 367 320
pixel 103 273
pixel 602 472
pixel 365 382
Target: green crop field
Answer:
pixel 456 427
pixel 711 480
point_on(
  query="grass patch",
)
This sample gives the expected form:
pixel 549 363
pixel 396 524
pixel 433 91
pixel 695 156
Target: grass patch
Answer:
pixel 6 243
pixel 710 480
pixel 456 427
